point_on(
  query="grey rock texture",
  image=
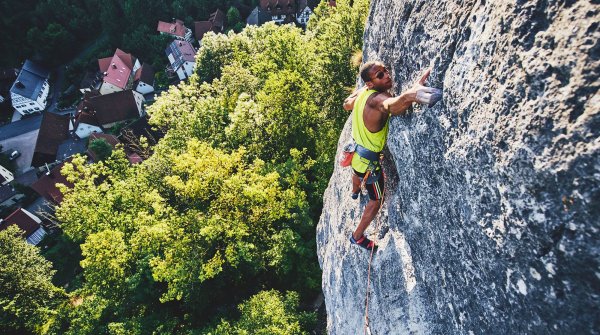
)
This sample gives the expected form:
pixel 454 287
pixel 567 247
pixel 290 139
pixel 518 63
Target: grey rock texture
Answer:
pixel 491 219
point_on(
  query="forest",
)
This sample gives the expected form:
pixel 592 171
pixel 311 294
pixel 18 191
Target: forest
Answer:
pixel 214 233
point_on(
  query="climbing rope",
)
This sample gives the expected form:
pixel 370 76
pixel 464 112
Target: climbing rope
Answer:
pixel 367 328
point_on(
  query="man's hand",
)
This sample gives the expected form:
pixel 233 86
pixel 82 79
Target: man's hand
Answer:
pixel 426 95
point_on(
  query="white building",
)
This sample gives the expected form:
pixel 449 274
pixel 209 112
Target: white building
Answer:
pixel 303 15
pixel 30 90
pixel 5 176
pixel 182 57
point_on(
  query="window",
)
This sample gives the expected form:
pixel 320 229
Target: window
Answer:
pixel 37 109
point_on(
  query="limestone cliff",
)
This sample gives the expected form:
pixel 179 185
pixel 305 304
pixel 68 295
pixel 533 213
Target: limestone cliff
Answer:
pixel 492 212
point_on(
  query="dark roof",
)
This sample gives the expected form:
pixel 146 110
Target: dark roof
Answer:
pixel 46 185
pixel 278 7
pixel 108 108
pixel 141 127
pixel 9 74
pixel 22 220
pixel 201 28
pixel 27 178
pixel 217 18
pixel 6 192
pixel 89 80
pixel 53 131
pixel 69 148
pixel 258 16
pixel 145 74
pixel 30 80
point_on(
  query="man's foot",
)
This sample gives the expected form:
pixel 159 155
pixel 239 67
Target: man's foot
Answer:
pixel 363 242
pixel 355 195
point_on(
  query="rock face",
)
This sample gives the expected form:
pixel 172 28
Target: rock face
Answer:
pixel 491 217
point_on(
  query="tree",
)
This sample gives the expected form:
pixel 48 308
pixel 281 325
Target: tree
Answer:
pixel 268 313
pixel 27 295
pixel 100 148
pixel 233 17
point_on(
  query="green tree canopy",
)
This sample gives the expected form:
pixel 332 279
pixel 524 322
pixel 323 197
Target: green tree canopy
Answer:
pixel 100 148
pixel 27 296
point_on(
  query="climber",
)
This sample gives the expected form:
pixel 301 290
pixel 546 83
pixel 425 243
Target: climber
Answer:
pixel 372 105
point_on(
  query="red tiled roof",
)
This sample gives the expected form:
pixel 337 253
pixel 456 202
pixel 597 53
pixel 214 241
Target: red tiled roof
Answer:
pixel 176 28
pixel 187 50
pixel 134 158
pixel 46 185
pixel 201 28
pixel 22 220
pixel 104 63
pixel 118 69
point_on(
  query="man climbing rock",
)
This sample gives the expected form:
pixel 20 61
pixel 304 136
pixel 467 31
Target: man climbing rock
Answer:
pixel 372 106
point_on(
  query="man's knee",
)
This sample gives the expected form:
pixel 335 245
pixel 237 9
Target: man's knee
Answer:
pixel 374 203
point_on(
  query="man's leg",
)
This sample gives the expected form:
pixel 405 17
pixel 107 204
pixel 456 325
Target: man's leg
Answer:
pixel 368 215
pixel 355 183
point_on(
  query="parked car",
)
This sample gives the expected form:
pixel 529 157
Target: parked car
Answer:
pixel 14 155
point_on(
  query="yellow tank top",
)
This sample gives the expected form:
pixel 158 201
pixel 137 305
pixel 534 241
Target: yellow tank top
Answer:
pixel 372 141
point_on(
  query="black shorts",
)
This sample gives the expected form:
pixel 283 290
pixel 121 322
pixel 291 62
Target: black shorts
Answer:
pixel 376 188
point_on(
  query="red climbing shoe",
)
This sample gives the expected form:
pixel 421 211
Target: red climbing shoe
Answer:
pixel 363 242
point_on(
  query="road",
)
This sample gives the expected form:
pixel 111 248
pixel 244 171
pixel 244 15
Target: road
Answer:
pixel 20 127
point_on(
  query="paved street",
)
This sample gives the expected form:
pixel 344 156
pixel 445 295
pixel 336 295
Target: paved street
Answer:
pixel 25 144
pixel 20 127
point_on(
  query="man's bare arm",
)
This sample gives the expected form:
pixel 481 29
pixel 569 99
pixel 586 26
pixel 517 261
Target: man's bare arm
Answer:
pixel 417 93
pixel 349 102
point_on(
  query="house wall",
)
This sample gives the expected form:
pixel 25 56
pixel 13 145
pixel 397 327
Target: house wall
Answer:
pixel 7 175
pixel 108 88
pixel 189 68
pixel 139 101
pixel 36 237
pixel 25 105
pixel 181 73
pixel 144 88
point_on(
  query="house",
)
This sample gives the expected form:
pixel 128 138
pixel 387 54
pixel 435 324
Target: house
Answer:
pixel 5 176
pixel 97 113
pixel 304 13
pixel 175 29
pixel 279 11
pixel 91 81
pixel 9 196
pixel 46 185
pixel 215 23
pixel 143 81
pixel 29 223
pixel 53 131
pixel 117 72
pixel 30 90
pixel 182 57
pixel 7 78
